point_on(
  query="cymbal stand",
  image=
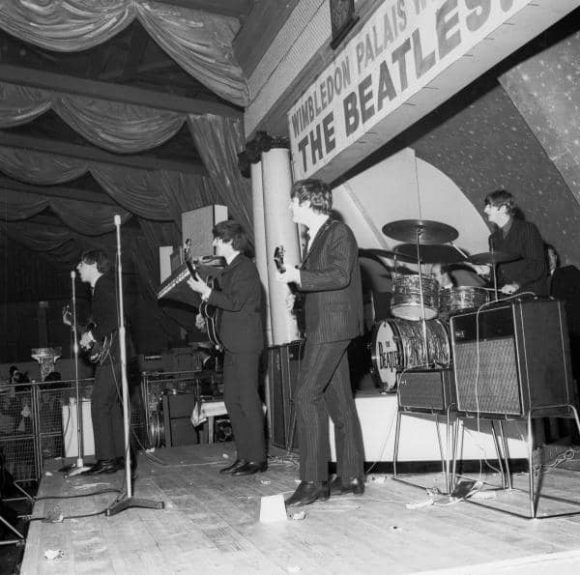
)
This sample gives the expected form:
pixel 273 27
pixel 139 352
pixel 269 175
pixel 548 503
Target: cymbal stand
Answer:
pixel 494 272
pixel 129 501
pixel 421 295
pixel 79 467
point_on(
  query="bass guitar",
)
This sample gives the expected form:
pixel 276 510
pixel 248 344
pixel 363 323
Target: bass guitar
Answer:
pixel 208 312
pixel 95 351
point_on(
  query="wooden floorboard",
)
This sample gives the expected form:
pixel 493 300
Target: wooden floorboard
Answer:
pixel 210 524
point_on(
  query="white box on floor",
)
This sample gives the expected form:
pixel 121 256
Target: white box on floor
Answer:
pixel 70 428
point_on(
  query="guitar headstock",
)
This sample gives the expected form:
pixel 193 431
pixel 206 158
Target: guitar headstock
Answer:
pixel 279 259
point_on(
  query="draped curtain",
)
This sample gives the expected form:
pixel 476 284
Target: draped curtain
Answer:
pixel 201 44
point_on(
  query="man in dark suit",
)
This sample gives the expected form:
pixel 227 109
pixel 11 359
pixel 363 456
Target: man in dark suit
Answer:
pixel 330 282
pixel 95 269
pixel 528 271
pixel 239 300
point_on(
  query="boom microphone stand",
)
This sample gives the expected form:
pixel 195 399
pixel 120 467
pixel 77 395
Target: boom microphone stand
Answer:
pixel 79 467
pixel 129 501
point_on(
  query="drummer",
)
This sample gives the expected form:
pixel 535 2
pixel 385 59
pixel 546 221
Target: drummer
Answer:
pixel 514 236
pixel 456 275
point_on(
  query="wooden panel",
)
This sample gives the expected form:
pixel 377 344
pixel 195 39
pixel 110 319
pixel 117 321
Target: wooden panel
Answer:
pixel 259 31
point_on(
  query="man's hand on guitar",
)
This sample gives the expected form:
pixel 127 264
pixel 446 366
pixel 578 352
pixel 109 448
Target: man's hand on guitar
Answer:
pixel 87 340
pixel 67 316
pixel 199 286
pixel 200 323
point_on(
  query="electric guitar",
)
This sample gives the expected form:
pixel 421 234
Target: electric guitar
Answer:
pixel 95 351
pixel 208 312
pixel 298 305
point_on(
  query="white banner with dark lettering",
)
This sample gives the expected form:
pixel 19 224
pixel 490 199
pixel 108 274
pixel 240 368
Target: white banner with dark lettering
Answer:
pixel 402 47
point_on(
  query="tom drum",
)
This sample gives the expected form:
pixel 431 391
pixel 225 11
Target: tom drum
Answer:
pixel 406 302
pixel 456 299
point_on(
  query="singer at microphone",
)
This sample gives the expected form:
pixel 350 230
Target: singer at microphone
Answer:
pixel 100 342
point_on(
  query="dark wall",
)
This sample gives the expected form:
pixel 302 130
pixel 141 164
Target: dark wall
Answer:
pixel 27 280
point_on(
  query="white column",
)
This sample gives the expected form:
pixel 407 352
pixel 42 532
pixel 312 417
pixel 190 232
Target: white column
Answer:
pixel 280 231
pixel 260 241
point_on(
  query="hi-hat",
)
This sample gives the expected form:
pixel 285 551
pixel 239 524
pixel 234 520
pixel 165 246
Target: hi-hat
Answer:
pixel 424 231
pixel 490 258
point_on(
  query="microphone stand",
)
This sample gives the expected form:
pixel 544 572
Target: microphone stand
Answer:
pixel 129 501
pixel 80 466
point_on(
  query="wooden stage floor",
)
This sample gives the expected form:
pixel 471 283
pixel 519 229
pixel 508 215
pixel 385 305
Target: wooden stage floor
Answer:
pixel 210 524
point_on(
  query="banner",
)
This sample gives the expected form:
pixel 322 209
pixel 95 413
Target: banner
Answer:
pixel 403 46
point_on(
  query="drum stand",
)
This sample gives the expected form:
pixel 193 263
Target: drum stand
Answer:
pixel 421 295
pixel 428 232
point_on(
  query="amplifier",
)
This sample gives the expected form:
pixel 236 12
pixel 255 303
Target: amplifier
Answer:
pixel 177 410
pixel 512 358
pixel 283 367
pixel 426 390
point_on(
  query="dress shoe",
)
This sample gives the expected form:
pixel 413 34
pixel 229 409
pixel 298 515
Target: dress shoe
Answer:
pixel 103 466
pixel 231 468
pixel 251 467
pixel 308 492
pixel 356 486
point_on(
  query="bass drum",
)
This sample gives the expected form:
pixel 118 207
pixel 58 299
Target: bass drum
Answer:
pixel 398 345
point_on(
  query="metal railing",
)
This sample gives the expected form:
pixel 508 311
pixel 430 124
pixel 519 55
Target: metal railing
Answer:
pixel 38 422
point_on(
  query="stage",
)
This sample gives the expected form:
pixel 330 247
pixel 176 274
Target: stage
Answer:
pixel 210 523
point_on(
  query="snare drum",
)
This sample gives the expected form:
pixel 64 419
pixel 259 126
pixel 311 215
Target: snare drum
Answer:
pixel 456 299
pixel 399 345
pixel 406 302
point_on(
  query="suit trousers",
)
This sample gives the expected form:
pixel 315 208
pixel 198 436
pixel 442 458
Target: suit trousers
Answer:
pixel 106 411
pixel 324 390
pixel 242 400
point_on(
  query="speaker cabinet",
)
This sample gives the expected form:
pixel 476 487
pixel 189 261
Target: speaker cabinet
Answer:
pixel 177 410
pixel 431 391
pixel 283 366
pixel 512 358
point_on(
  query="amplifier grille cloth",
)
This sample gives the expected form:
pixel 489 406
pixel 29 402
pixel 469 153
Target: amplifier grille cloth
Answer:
pixel 423 390
pixel 496 389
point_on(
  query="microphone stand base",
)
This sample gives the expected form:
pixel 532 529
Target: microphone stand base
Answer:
pixel 132 502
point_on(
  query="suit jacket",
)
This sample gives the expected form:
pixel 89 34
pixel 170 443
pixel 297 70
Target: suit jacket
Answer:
pixel 240 302
pixel 104 309
pixel 331 281
pixel 565 286
pixel 531 270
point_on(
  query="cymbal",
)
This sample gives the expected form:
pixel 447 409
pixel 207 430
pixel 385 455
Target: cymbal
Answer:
pixel 400 257
pixel 431 253
pixel 490 258
pixel 425 231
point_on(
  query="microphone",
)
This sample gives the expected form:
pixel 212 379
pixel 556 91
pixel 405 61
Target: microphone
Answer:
pixel 117 220
pixel 73 274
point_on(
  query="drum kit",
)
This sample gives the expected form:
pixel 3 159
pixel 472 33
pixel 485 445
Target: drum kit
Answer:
pixel 416 338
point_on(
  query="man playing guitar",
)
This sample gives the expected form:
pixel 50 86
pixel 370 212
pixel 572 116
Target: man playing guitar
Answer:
pixel 239 299
pixel 95 269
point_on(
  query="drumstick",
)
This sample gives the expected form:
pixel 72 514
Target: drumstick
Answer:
pixel 464 254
